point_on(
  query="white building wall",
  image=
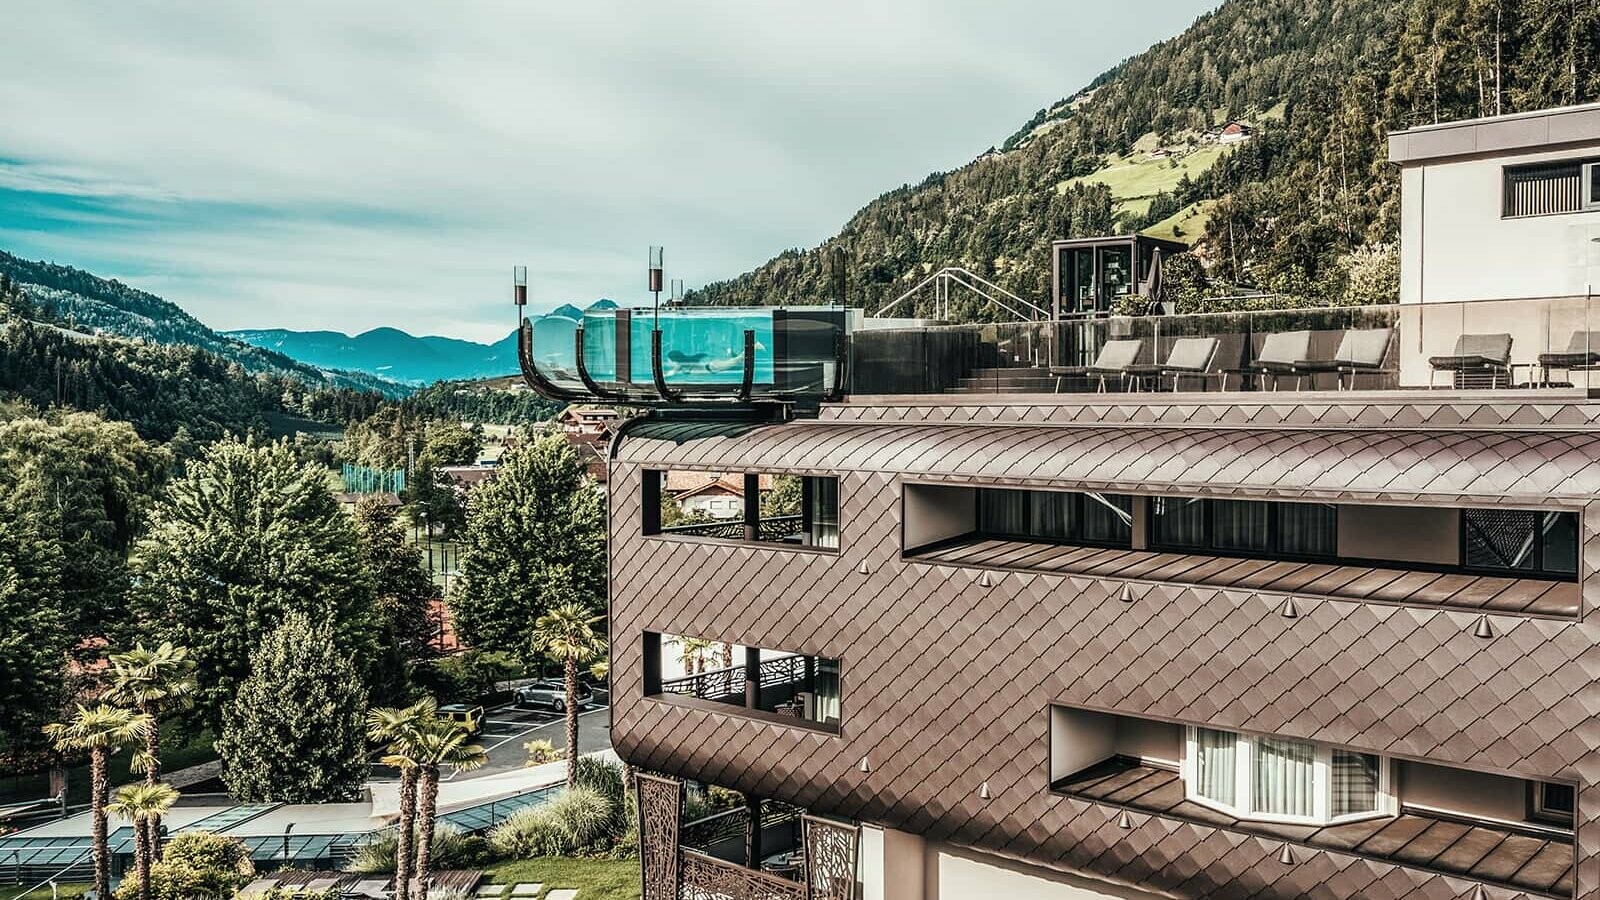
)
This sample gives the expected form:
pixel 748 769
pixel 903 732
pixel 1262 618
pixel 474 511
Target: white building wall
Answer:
pixel 900 866
pixel 1454 244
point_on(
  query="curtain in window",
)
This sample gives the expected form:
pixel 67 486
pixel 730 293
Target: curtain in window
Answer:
pixel 824 512
pixel 1108 518
pixel 1355 783
pixel 827 691
pixel 1050 515
pixel 1285 778
pixel 1241 525
pixel 1179 523
pixel 1308 529
pixel 1215 772
pixel 1002 512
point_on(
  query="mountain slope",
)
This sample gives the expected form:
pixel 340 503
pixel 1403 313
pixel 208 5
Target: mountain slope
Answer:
pixel 63 295
pixel 1322 80
pixel 390 353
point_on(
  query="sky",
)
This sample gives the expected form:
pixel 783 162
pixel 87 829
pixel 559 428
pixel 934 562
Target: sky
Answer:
pixel 350 165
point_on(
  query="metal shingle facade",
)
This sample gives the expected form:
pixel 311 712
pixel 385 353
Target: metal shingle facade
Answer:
pixel 947 683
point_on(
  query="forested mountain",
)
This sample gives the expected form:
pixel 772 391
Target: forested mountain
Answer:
pixel 1292 210
pixel 72 298
pixel 390 353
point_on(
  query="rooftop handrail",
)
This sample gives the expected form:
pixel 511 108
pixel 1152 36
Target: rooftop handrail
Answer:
pixel 943 278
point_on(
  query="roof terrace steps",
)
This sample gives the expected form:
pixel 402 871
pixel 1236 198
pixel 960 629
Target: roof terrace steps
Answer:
pixel 1485 851
pixel 1368 584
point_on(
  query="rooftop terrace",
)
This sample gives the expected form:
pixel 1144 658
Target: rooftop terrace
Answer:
pixel 724 356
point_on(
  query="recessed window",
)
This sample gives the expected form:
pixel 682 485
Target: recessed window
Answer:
pixel 1518 540
pixel 1543 189
pixel 1283 780
pixel 770 684
pixel 1244 527
pixel 797 510
pixel 1554 803
pixel 1061 516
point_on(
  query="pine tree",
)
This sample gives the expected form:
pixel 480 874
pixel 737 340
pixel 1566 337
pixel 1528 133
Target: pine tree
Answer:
pixel 247 536
pixel 539 514
pixel 296 733
pixel 404 593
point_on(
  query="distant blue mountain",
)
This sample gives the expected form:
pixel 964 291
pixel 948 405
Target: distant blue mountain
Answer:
pixel 390 353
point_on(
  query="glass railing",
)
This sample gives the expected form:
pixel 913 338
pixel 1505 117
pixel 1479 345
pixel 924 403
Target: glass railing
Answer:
pixel 1551 343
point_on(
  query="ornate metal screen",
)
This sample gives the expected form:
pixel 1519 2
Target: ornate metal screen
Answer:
pixel 708 878
pixel 660 811
pixel 830 858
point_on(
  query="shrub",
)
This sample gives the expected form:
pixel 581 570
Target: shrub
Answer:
pixel 277 892
pixel 542 751
pixel 452 849
pixel 196 865
pixel 602 777
pixel 578 820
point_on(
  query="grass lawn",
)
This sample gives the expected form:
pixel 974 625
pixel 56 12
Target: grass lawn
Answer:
pixel 176 753
pixel 595 879
pixel 1135 179
pixel 1191 220
pixel 66 891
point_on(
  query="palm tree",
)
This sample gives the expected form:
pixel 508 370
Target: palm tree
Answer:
pixel 437 743
pixel 692 653
pixel 397 728
pixel 142 804
pixel 101 731
pixel 152 682
pixel 567 633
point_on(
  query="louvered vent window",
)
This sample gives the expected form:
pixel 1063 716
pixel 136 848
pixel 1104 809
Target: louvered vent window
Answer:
pixel 1549 188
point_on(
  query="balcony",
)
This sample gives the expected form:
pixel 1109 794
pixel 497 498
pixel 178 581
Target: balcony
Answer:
pixel 788 689
pixel 806 356
pixel 1539 862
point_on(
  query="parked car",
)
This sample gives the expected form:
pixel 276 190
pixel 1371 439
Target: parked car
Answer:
pixel 552 695
pixel 470 716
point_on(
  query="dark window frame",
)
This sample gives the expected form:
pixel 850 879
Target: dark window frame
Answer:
pixel 1538 570
pixel 1540 811
pixel 1275 534
pixel 652 482
pixel 1552 170
pixel 1080 501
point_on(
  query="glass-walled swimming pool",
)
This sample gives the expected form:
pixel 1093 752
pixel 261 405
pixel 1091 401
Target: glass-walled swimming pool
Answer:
pixel 612 353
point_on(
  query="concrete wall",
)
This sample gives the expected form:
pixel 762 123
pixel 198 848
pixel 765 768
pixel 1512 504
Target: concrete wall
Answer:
pixel 1425 534
pixel 935 512
pixel 1079 739
pixel 1455 245
pixel 1462 792
pixel 893 864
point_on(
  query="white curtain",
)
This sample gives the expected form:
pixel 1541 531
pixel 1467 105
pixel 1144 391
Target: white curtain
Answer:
pixel 1285 778
pixel 1355 783
pixel 1215 771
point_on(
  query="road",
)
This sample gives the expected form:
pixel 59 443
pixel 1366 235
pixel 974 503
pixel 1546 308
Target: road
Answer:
pixel 507 728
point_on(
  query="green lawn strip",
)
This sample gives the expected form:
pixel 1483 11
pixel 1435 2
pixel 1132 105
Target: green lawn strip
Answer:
pixel 595 879
pixel 66 891
pixel 1138 178
pixel 1192 219
pixel 177 752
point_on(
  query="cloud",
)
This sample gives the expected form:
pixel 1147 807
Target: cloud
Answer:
pixel 358 164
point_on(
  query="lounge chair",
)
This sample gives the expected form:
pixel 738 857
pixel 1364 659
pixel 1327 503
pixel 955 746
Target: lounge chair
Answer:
pixel 1476 355
pixel 1188 356
pixel 1582 355
pixel 1113 360
pixel 1360 351
pixel 1280 354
